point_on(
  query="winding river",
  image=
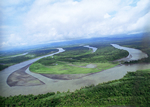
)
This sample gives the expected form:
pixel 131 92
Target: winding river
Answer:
pixel 15 55
pixel 134 54
pixel 52 85
pixel 93 48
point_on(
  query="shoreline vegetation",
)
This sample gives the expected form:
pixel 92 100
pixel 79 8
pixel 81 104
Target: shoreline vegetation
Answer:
pixel 142 44
pixel 9 60
pixel 131 90
pixel 79 60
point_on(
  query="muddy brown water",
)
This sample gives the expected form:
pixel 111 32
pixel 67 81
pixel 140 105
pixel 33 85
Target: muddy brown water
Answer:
pixel 54 85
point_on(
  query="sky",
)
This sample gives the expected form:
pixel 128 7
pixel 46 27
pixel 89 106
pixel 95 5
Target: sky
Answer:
pixel 31 22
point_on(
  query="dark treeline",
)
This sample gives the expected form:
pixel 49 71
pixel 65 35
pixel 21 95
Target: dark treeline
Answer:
pixel 3 67
pixel 104 53
pixel 42 52
pixel 131 90
pixel 48 61
pixel 14 60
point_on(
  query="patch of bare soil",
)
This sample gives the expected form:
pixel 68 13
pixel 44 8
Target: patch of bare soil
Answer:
pixel 87 66
pixel 21 78
pixel 64 76
pixel 91 66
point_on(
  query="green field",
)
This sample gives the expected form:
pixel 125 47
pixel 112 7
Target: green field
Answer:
pixel 70 68
pixel 78 60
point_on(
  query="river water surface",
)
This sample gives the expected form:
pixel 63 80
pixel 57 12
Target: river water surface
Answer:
pixel 52 85
pixel 134 54
pixel 93 48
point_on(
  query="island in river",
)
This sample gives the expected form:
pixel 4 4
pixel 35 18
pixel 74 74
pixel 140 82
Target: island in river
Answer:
pixel 55 85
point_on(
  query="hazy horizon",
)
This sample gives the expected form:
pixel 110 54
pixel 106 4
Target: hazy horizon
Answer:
pixel 25 23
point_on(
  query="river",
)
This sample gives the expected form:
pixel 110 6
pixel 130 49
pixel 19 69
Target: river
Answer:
pixel 52 85
pixel 15 55
pixel 93 48
pixel 134 54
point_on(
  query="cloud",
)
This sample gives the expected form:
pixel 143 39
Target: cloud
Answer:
pixel 142 24
pixel 107 16
pixel 71 19
pixel 42 21
pixel 13 40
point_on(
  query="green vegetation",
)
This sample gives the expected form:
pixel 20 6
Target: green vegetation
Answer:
pixel 76 60
pixel 104 53
pixel 131 90
pixel 11 60
pixel 3 67
pixel 66 68
pixel 144 60
pixel 10 56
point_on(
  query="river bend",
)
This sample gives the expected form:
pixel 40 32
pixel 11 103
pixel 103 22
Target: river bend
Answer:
pixel 93 48
pixel 134 54
pixel 52 85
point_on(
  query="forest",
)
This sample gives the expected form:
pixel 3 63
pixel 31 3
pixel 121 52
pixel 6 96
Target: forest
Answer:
pixel 131 90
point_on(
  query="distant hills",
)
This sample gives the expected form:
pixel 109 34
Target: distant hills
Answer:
pixel 109 39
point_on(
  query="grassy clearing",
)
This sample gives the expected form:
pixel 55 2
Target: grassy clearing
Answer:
pixel 66 68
